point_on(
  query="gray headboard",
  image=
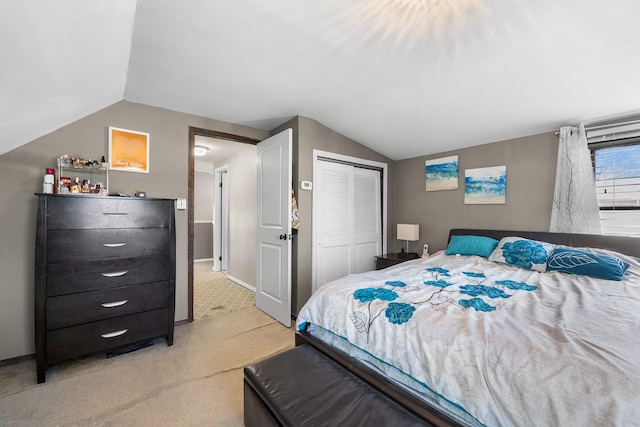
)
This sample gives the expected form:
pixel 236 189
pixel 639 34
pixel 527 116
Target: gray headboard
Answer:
pixel 625 245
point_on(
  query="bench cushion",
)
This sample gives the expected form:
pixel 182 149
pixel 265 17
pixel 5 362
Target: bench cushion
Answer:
pixel 302 387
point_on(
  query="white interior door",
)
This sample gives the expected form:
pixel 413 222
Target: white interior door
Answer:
pixel 224 219
pixel 367 206
pixel 221 218
pixel 273 281
pixel 334 221
pixel 347 221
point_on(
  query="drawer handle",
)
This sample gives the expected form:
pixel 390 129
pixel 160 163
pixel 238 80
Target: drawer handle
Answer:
pixel 115 274
pixel 114 304
pixel 113 245
pixel 115 213
pixel 114 334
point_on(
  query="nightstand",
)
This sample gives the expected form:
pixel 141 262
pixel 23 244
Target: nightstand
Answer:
pixel 387 260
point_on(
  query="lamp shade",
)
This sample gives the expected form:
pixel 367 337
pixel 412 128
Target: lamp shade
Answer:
pixel 410 232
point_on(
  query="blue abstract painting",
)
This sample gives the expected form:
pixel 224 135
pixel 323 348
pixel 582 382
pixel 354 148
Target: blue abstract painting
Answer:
pixel 485 186
pixel 441 174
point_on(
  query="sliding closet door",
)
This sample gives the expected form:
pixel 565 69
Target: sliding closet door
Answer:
pixel 367 227
pixel 348 223
pixel 335 219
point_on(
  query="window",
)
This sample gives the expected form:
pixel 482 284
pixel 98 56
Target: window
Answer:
pixel 616 165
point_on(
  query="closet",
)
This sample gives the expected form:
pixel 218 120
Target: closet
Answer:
pixel 347 219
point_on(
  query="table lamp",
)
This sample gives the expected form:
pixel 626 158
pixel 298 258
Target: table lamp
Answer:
pixel 408 232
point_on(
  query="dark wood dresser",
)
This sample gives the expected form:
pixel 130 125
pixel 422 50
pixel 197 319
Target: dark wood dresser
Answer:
pixel 104 275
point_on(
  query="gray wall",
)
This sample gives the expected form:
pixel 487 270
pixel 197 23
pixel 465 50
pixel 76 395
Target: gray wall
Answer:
pixel 242 176
pixel 203 215
pixel 203 196
pixel 202 240
pixel 531 166
pixel 308 135
pixel 21 172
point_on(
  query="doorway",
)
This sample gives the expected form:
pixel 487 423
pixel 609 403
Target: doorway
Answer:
pixel 193 133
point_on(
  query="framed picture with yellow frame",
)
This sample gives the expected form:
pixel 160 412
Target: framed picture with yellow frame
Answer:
pixel 128 150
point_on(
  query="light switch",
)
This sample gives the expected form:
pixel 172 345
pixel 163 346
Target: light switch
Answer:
pixel 181 204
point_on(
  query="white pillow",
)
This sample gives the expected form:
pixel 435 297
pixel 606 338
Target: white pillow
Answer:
pixel 524 253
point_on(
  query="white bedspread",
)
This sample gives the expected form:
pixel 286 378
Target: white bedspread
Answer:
pixel 506 346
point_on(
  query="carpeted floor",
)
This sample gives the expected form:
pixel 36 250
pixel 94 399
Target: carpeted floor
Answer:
pixel 195 382
pixel 214 294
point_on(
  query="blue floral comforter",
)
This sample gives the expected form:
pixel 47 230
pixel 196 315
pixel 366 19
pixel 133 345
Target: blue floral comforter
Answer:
pixel 493 344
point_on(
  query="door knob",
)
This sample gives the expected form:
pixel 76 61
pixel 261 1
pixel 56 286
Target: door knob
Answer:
pixel 283 237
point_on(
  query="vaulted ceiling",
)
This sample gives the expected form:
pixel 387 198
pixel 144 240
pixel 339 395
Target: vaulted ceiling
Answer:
pixel 404 77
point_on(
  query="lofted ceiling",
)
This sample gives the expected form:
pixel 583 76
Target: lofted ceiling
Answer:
pixel 403 77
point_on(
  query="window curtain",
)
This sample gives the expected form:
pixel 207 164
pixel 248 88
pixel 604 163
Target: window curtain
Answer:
pixel 575 204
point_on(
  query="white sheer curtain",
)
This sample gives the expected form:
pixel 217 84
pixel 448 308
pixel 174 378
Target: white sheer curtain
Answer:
pixel 575 205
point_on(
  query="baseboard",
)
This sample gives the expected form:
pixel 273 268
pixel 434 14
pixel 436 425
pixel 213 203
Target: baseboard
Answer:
pixel 203 260
pixel 18 359
pixel 241 283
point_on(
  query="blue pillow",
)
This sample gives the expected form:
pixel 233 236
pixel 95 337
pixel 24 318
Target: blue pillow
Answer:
pixel 523 253
pixel 592 264
pixel 471 245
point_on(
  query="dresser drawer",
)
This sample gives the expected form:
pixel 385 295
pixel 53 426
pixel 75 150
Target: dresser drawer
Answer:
pixel 84 245
pixel 105 335
pixel 83 307
pixel 72 277
pixel 69 212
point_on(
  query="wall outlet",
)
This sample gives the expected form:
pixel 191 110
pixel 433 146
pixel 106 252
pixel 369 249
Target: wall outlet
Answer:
pixel 181 204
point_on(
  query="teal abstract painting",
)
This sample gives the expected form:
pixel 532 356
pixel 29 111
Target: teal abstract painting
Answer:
pixel 485 186
pixel 441 174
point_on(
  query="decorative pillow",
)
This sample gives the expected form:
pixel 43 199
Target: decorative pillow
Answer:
pixel 588 263
pixel 471 245
pixel 521 252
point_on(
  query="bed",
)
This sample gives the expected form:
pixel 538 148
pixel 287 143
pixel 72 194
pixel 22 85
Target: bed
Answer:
pixel 489 336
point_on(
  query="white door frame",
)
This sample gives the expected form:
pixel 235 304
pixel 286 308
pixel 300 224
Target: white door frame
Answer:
pixel 316 202
pixel 218 247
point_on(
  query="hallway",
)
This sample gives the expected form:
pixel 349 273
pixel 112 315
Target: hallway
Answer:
pixel 214 294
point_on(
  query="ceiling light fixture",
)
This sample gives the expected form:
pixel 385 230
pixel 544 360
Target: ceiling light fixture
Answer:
pixel 200 150
pixel 413 20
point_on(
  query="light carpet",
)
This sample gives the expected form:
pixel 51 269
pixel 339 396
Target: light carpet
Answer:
pixel 195 382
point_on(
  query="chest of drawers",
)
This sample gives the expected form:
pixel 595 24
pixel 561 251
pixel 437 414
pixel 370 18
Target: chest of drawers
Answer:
pixel 104 275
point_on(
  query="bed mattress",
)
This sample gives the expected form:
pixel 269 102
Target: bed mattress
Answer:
pixel 493 344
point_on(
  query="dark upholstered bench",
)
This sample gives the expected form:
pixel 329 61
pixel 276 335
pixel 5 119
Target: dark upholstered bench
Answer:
pixel 302 387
